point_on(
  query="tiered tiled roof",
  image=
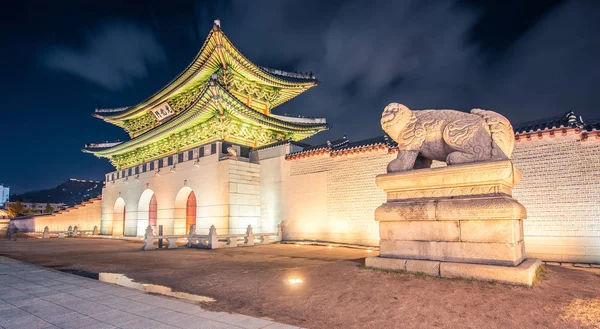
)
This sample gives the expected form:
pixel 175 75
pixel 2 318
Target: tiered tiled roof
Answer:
pixel 217 54
pixel 214 115
pixel 221 95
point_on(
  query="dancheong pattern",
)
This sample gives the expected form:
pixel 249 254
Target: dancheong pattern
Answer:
pixel 221 95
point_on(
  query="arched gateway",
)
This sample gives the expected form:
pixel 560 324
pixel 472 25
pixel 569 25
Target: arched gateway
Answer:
pixel 185 210
pixel 147 212
pixel 201 128
pixel 190 210
pixel 118 223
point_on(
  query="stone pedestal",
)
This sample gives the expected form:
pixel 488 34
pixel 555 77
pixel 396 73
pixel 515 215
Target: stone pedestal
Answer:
pixel 455 221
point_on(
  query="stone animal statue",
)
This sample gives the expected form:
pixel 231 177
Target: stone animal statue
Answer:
pixel 446 135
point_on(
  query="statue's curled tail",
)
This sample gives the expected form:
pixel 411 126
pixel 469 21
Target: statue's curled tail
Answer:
pixel 501 131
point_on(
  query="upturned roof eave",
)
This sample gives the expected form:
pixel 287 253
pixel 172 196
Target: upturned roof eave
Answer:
pixel 163 130
pixel 192 70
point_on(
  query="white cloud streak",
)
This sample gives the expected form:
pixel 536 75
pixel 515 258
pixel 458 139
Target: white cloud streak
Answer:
pixel 112 56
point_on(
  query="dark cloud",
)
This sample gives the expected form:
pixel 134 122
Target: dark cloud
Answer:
pixel 112 56
pixel 367 54
pixel 525 59
pixel 554 67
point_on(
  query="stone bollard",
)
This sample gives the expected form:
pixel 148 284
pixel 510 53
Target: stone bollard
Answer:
pixel 264 239
pixel 279 232
pixel 232 242
pixel 46 233
pixel 148 239
pixel 191 235
pixel 95 231
pixel 75 230
pixel 70 231
pixel 213 239
pixel 249 239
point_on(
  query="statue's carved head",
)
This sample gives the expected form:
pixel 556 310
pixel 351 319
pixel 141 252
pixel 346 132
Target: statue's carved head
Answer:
pixel 394 119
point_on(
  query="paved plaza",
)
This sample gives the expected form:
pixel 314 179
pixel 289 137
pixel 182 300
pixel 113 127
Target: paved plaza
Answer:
pixel 36 297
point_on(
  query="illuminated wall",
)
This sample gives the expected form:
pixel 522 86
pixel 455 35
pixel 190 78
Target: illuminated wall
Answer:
pixel 334 198
pixel 327 198
pixel 323 198
pixel 85 216
pixel 560 189
pixel 227 192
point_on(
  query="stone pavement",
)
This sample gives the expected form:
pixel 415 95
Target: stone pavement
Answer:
pixel 36 297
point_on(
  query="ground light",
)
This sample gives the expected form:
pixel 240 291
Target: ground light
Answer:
pixel 295 281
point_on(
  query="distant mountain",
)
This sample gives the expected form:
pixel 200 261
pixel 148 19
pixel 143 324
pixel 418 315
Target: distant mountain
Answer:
pixel 71 192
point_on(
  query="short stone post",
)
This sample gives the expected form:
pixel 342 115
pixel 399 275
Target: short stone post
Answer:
pixel 213 239
pixel 46 233
pixel 232 242
pixel 249 239
pixel 70 231
pixel 149 239
pixel 279 232
pixel 191 235
pixel 75 230
pixel 95 231
pixel 264 239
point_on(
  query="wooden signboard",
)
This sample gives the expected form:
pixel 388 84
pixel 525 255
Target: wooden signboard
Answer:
pixel 162 111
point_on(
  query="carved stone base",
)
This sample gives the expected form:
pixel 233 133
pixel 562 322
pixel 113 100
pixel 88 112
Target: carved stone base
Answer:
pixel 524 274
pixel 460 214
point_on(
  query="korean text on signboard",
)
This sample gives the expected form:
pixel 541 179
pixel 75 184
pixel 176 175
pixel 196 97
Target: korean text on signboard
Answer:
pixel 162 111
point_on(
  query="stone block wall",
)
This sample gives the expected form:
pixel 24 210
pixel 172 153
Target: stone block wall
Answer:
pixel 334 198
pixel 171 186
pixel 85 216
pixel 244 196
pixel 561 191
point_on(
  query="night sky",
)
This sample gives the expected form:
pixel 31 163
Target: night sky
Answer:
pixel 61 60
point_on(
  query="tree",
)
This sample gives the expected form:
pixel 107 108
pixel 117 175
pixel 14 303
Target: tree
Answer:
pixel 16 209
pixel 48 209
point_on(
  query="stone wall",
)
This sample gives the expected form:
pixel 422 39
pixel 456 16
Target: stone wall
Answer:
pixel 334 198
pixel 85 216
pixel 560 189
pixel 227 192
pixel 244 196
